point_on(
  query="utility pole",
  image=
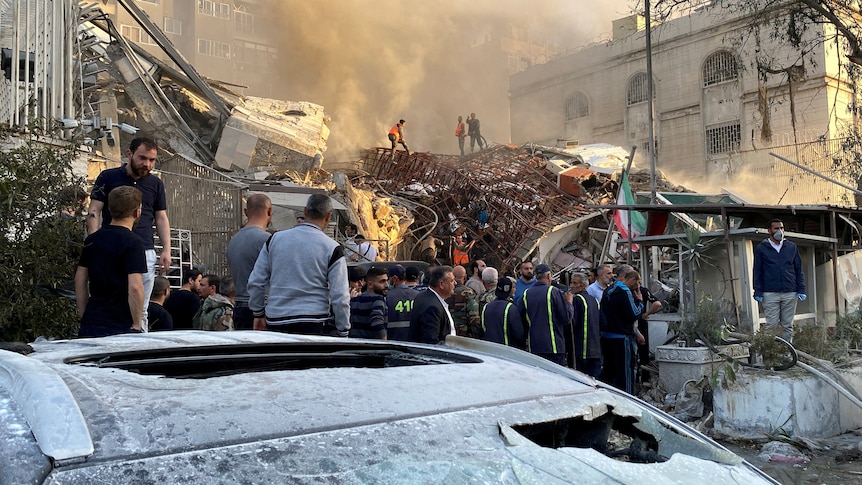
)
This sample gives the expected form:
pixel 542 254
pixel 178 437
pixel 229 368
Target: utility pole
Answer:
pixel 651 104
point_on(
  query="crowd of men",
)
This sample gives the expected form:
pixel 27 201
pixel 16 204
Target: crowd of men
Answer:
pixel 298 281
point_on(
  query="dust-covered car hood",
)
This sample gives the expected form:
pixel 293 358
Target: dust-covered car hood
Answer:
pixel 379 412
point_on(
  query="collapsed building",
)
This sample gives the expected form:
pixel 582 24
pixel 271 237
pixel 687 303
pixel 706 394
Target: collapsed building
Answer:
pixel 547 204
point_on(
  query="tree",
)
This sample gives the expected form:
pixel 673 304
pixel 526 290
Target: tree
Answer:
pixel 792 19
pixel 810 27
pixel 39 243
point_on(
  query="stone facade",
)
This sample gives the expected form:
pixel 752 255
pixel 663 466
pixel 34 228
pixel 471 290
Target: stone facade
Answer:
pixel 716 117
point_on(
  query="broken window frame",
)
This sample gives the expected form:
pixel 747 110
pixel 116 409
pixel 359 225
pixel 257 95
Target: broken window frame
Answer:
pixel 136 35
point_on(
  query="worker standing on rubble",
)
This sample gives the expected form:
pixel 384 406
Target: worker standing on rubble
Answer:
pixel 461 133
pixel 475 133
pixel 396 136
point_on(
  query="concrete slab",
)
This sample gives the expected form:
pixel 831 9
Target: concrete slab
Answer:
pixel 799 403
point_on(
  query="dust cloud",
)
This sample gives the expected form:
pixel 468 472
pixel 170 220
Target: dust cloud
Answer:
pixel 371 63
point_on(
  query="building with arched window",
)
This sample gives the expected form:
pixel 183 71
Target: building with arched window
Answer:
pixel 718 110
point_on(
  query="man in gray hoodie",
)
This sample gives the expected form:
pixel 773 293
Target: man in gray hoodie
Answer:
pixel 306 274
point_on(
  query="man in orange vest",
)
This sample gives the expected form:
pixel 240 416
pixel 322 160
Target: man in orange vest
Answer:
pixel 461 250
pixel 396 136
pixel 461 133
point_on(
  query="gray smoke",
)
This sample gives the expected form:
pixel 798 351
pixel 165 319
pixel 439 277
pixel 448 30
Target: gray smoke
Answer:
pixel 370 63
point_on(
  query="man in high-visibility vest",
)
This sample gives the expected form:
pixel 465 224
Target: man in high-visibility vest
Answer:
pixel 396 136
pixel 587 337
pixel 547 313
pixel 461 133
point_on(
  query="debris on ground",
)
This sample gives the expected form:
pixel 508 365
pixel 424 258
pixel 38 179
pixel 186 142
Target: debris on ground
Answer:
pixel 689 402
pixel 780 452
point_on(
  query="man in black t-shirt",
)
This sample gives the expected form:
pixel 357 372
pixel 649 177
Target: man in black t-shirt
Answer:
pixel 109 285
pixel 184 303
pixel 142 155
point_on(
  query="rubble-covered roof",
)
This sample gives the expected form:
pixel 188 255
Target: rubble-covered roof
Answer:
pixel 599 157
pixel 522 201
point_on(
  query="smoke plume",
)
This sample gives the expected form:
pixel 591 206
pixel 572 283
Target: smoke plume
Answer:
pixel 371 63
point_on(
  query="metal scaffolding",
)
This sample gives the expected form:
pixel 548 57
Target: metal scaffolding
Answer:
pixel 520 204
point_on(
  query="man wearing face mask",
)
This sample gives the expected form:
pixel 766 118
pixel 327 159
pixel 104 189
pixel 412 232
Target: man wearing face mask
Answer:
pixel 778 279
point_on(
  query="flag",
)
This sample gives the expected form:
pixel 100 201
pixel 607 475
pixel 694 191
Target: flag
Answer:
pixel 621 217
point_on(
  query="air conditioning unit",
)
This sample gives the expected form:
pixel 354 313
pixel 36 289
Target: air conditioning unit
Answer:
pixel 558 166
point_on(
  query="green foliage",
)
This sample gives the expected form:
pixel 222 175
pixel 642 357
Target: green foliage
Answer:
pixel 38 246
pixel 694 248
pixel 848 327
pixel 709 321
pixel 815 340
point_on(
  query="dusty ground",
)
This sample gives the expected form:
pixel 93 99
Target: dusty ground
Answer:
pixel 838 463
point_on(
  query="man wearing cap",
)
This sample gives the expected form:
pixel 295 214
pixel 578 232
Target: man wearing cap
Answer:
pixel 356 280
pixel 399 302
pixel 585 323
pixel 501 322
pixel 547 312
pixel 431 321
pixel 411 276
pixel 368 310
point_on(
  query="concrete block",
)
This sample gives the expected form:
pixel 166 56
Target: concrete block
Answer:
pixel 761 401
pixel 676 365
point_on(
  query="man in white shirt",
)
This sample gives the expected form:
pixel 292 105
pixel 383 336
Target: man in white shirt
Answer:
pixel 365 250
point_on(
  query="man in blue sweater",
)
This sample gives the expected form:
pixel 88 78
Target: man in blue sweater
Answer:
pixel 778 279
pixel 621 305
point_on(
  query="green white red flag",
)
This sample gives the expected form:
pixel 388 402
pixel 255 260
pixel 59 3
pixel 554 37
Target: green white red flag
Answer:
pixel 621 217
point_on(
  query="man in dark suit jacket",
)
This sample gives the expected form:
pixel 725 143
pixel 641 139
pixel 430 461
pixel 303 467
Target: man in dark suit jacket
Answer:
pixel 431 321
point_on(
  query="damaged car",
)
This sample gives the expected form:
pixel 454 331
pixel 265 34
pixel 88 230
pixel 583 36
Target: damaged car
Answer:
pixel 264 407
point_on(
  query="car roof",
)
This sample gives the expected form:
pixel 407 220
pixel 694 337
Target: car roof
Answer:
pixel 366 265
pixel 188 394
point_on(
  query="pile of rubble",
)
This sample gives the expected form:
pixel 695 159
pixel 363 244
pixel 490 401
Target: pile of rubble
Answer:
pixel 506 197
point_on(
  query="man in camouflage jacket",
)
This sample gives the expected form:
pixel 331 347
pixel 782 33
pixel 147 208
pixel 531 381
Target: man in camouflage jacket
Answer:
pixel 464 306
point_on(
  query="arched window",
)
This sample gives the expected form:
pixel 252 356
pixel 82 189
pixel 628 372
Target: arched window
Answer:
pixel 721 108
pixel 720 67
pixel 577 106
pixel 637 90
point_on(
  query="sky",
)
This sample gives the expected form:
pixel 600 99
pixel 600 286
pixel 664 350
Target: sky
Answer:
pixel 371 63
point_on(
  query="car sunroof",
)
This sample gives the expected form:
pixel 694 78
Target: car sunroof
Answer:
pixel 218 360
